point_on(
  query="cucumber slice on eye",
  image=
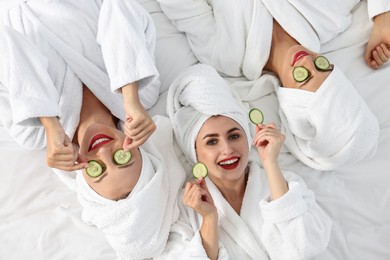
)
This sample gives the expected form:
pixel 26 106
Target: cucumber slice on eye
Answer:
pixel 256 116
pixel 121 157
pixel 321 63
pixel 199 170
pixel 94 169
pixel 300 74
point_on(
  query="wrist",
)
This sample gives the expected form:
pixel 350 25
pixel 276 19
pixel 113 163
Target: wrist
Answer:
pixel 50 122
pixel 211 218
pixel 130 92
pixel 270 164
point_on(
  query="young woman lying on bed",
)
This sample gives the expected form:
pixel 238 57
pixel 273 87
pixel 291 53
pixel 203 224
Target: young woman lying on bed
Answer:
pixel 55 92
pixel 240 210
pixel 251 37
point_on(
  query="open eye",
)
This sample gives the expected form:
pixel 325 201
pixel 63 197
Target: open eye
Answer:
pixel 212 142
pixel 300 74
pixel 234 136
pixel 122 157
pixel 322 63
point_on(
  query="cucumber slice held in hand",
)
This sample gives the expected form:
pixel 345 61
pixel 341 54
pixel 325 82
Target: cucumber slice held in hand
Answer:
pixel 94 169
pixel 122 157
pixel 256 116
pixel 199 170
pixel 300 74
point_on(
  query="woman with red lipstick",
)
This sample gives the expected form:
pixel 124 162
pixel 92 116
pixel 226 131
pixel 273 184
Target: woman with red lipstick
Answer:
pixel 240 210
pixel 277 49
pixel 50 85
pixel 55 93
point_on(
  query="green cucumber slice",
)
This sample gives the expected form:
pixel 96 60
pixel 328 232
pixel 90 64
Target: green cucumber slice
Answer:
pixel 94 169
pixel 256 116
pixel 199 170
pixel 300 74
pixel 321 63
pixel 121 157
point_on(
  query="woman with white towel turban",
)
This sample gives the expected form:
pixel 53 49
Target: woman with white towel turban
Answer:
pixel 240 210
pixel 55 92
pixel 247 38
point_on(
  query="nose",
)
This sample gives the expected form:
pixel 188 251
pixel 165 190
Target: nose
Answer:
pixel 105 153
pixel 308 63
pixel 226 147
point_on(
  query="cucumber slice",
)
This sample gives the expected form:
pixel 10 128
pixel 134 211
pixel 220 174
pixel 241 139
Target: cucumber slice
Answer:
pixel 199 170
pixel 256 116
pixel 321 63
pixel 121 157
pixel 94 169
pixel 300 74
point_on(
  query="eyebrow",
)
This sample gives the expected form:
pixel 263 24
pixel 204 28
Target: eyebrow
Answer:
pixel 305 82
pixel 100 178
pixel 215 135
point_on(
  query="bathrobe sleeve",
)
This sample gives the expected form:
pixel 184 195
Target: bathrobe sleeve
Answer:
pixel 216 30
pixel 184 240
pixel 127 36
pixel 295 227
pixel 376 7
pixel 27 91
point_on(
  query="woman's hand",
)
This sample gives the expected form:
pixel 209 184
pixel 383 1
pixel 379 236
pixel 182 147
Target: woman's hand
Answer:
pixel 268 141
pixel 138 126
pixel 198 197
pixel 60 152
pixel 378 46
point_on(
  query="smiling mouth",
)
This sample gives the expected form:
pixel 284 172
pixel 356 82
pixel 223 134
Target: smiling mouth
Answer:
pixel 299 55
pixel 99 140
pixel 230 163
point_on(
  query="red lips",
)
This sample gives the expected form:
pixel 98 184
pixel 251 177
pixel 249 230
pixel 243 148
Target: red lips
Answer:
pixel 229 163
pixel 101 139
pixel 299 55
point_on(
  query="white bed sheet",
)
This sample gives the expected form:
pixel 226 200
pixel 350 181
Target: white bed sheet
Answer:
pixel 40 217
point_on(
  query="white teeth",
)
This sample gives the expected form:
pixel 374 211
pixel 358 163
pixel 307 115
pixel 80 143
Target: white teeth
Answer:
pixel 229 161
pixel 98 141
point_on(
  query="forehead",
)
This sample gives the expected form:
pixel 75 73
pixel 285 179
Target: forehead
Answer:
pixel 218 124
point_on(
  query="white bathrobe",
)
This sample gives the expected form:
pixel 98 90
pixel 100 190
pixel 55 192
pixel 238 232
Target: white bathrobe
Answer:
pixel 235 36
pixel 49 49
pixel 291 227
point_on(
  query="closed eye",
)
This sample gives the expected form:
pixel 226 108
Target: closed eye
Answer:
pixel 305 82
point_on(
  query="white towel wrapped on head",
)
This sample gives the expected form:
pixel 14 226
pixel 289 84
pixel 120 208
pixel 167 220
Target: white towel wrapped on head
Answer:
pixel 194 96
pixel 330 127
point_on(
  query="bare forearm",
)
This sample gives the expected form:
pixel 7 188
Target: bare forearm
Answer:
pixel 277 184
pixel 130 92
pixel 209 234
pixel 50 123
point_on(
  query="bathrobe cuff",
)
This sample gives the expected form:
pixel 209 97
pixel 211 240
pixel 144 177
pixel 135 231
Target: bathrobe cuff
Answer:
pixel 291 205
pixel 195 249
pixel 376 7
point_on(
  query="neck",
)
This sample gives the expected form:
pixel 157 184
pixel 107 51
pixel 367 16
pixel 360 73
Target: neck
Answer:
pixel 281 42
pixel 92 111
pixel 233 191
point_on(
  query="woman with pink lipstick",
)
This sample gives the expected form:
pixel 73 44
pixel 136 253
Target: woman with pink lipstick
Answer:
pixel 240 210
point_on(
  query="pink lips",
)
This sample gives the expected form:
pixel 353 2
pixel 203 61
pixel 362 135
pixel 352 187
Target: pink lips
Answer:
pixel 299 55
pixel 230 166
pixel 105 139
